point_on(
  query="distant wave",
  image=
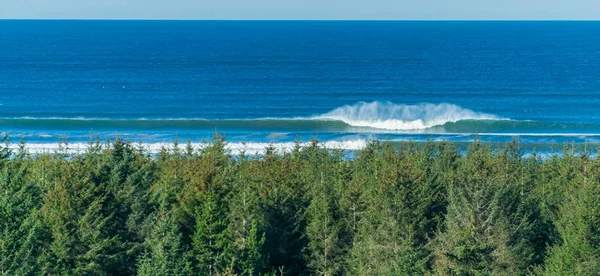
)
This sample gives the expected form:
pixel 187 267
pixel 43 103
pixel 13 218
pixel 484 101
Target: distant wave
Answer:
pixel 364 115
pixel 81 118
pixel 390 116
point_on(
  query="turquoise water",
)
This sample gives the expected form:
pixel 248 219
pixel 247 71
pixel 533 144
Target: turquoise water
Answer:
pixel 261 82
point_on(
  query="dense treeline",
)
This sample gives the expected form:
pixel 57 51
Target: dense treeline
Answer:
pixel 388 210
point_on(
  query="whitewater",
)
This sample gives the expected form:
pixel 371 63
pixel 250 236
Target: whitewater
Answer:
pixel 375 115
pixel 275 83
pixel 363 118
pixel 390 116
pixel 348 127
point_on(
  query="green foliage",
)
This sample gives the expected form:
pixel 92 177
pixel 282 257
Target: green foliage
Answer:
pixel 250 257
pixel 578 222
pixel 20 229
pixel 5 151
pixel 210 239
pixel 247 240
pixel 405 209
pixel 165 254
pixel 323 231
pixel 394 221
pixel 485 220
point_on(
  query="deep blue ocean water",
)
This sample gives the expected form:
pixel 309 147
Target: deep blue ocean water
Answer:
pixel 259 82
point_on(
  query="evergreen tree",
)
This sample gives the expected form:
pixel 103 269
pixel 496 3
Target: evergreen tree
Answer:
pixel 210 243
pixel 5 151
pixel 478 238
pixel 389 209
pixel 208 171
pixel 251 260
pixel 165 254
pixel 247 240
pixel 282 207
pixel 21 236
pixel 77 215
pixel 126 175
pixel 324 250
pixel 578 222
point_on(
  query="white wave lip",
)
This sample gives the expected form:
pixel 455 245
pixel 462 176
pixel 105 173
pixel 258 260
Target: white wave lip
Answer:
pixel 390 116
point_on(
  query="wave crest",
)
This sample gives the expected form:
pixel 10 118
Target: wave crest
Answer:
pixel 390 116
pixel 367 115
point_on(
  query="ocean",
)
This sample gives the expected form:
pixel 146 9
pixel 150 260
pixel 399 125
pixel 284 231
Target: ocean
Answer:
pixel 276 82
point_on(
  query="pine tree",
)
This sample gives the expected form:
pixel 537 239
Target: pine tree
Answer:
pixel 389 209
pixel 21 236
pixel 324 250
pixel 247 240
pixel 282 210
pixel 578 223
pixel 125 175
pixel 165 254
pixel 101 247
pixel 210 239
pixel 385 236
pixel 5 151
pixel 76 215
pixel 209 169
pixel 476 240
pixel 251 259
pixel 478 236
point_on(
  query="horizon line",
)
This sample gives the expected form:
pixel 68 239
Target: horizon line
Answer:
pixel 188 19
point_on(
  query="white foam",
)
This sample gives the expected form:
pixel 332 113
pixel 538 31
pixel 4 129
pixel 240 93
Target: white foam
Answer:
pixel 234 148
pixel 375 115
pixel 252 148
pixel 390 116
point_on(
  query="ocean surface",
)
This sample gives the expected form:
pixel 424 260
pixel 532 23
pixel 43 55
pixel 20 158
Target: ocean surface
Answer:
pixel 262 82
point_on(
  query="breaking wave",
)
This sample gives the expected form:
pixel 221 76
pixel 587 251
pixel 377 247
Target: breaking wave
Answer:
pixel 376 116
pixel 390 116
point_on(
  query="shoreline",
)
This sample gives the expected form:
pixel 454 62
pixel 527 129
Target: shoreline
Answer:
pixel 259 148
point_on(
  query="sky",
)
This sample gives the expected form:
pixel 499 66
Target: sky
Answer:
pixel 303 9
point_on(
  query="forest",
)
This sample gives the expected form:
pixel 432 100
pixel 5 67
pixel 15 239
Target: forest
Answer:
pixel 408 209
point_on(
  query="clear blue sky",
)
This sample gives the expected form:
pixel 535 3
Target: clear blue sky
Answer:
pixel 302 9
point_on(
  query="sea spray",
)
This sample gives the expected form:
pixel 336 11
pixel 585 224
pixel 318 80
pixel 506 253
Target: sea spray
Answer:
pixel 390 116
pixel 370 116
